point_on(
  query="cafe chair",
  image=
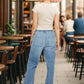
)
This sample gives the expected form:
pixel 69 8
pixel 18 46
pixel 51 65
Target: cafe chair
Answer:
pixel 82 68
pixel 11 65
pixel 79 61
pixel 20 62
pixel 2 74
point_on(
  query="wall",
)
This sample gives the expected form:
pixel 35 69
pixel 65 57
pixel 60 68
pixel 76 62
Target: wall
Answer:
pixel 3 14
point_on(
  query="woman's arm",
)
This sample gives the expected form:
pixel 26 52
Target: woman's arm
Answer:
pixel 56 29
pixel 65 26
pixel 34 25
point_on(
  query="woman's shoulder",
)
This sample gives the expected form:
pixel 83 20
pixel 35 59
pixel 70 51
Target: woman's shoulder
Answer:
pixel 39 5
pixel 69 21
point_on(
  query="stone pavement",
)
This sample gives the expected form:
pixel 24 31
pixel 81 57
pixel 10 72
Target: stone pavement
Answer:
pixel 64 73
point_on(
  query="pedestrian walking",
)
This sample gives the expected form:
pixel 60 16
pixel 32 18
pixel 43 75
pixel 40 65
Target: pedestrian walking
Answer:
pixel 44 37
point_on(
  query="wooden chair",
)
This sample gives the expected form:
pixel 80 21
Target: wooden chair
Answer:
pixel 2 74
pixel 11 65
pixel 79 59
pixel 20 61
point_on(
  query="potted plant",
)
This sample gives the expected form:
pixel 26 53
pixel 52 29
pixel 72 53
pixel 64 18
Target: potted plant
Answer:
pixel 9 29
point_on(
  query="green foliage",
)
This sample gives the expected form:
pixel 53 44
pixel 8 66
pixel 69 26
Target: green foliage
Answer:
pixel 19 32
pixel 9 29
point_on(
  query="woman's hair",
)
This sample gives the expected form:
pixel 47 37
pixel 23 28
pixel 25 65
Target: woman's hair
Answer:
pixel 69 16
pixel 62 16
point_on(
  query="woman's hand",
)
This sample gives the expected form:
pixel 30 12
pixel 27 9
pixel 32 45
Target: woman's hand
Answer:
pixel 57 46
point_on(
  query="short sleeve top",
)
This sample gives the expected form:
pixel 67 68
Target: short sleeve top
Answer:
pixel 46 14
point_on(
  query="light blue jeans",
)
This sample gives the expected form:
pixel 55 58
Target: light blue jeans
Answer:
pixel 43 40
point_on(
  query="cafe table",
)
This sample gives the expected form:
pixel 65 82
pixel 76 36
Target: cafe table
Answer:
pixel 80 41
pixel 25 36
pixel 10 38
pixel 75 37
pixel 22 35
pixel 2 41
pixel 5 48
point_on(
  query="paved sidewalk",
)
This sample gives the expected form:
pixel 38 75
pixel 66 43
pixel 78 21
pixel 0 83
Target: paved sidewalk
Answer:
pixel 64 73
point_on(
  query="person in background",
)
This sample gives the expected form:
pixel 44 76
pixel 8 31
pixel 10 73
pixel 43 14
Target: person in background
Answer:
pixel 62 38
pixel 79 25
pixel 68 27
pixel 43 38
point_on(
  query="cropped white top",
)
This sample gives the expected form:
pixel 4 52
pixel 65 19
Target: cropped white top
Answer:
pixel 46 13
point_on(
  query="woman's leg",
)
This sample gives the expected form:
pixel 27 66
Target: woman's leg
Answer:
pixel 32 64
pixel 35 52
pixel 64 43
pixel 49 53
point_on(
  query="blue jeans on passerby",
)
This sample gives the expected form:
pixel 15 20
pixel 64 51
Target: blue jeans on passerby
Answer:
pixel 43 40
pixel 69 39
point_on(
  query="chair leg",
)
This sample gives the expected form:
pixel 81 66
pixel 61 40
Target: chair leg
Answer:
pixel 77 68
pixel 75 62
pixel 25 58
pixel 81 70
pixel 4 78
pixel 14 74
pixel 11 77
pixel 19 65
pixel 1 79
pixel 23 67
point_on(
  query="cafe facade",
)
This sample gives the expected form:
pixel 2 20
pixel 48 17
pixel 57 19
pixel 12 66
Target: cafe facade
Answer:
pixel 19 12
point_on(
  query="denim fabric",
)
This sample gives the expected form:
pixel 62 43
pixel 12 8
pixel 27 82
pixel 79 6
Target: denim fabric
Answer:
pixel 69 39
pixel 43 40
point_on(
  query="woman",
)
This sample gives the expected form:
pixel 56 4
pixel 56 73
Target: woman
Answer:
pixel 62 20
pixel 68 27
pixel 43 38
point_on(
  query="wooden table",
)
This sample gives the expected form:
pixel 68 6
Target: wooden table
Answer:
pixel 22 35
pixel 80 41
pixel 2 48
pixel 75 36
pixel 10 38
pixel 2 41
